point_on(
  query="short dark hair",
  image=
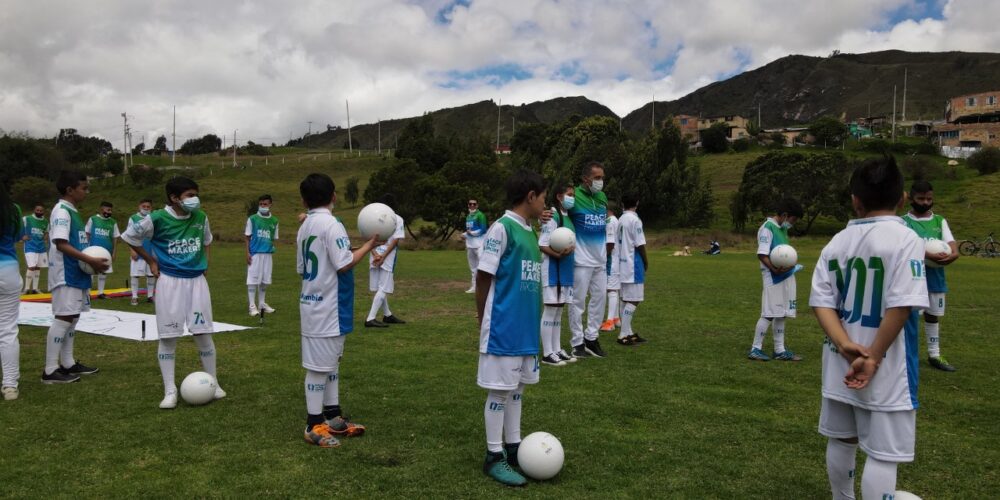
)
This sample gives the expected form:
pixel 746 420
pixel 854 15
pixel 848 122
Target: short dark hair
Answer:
pixel 38 205
pixel 177 186
pixel 559 188
pixel 630 200
pixel 106 204
pixel 146 200
pixel 590 166
pixel 521 183
pixel 790 207
pixel 317 190
pixel 878 183
pixel 264 197
pixel 69 179
pixel 921 187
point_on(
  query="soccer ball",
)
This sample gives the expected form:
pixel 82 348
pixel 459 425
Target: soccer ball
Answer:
pixel 934 246
pixel 377 220
pixel 784 256
pixel 561 239
pixel 198 388
pixel 540 455
pixel 94 251
pixel 904 495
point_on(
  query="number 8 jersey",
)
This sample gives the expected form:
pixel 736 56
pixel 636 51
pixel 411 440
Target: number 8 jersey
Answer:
pixel 872 265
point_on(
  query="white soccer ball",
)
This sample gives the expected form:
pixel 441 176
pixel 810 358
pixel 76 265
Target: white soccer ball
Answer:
pixel 198 388
pixel 904 495
pixel 933 247
pixel 377 219
pixel 562 238
pixel 784 256
pixel 540 455
pixel 94 251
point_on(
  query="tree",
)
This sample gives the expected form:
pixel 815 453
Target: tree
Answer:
pixel 417 142
pixel 714 139
pixel 351 192
pixel 596 138
pixel 22 157
pixel 209 143
pixel 31 191
pixel 161 145
pixel 355 143
pixel 777 139
pixel 829 131
pixel 139 148
pixel 986 160
pixel 80 150
pixel 113 164
pixel 145 176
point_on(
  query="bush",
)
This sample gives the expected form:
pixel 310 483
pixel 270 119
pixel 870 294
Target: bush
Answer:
pixel 741 144
pixel 713 139
pixel 31 191
pixel 922 168
pixel 986 160
pixel 145 176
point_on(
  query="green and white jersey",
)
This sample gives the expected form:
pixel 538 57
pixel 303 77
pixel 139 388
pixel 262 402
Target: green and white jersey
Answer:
pixel 590 218
pixel 102 231
pixel 178 241
pixel 262 232
pixel 770 235
pixel 475 224
pixel 34 228
pixel 323 249
pixel 932 226
pixel 66 225
pixel 133 220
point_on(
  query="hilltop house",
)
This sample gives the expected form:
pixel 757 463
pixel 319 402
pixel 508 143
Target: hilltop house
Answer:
pixel 973 121
pixel 738 125
pixel 688 126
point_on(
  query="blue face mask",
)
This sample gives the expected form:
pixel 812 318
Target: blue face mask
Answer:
pixel 191 204
pixel 786 225
pixel 568 202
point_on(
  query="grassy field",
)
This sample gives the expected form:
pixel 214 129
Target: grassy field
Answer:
pixel 683 416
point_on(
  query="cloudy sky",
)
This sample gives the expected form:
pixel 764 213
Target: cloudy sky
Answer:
pixel 268 67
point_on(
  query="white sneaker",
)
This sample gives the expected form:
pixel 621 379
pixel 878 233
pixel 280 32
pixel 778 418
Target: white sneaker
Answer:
pixel 266 309
pixel 169 401
pixel 219 393
pixel 9 393
pixel 565 356
pixel 471 290
pixel 254 312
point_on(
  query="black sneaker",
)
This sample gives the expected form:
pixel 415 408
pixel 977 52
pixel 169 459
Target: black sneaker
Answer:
pixel 60 376
pixel 80 369
pixel 392 320
pixel 594 348
pixel 553 360
pixel 511 450
pixel 374 323
pixel 627 341
pixel 149 300
pixel 101 296
pixel 579 351
pixel 637 339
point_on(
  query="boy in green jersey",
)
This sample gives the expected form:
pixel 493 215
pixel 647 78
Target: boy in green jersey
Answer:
pixel 778 297
pixel 36 234
pixel 260 232
pixel 102 231
pixel 138 267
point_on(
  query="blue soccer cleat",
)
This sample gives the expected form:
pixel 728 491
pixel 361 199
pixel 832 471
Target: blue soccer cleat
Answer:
pixel 786 355
pixel 757 355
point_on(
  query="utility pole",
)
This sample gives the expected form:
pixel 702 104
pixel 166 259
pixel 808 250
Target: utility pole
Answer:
pixel 760 126
pixel 512 129
pixel 499 102
pixel 173 149
pixel 350 143
pixel 893 113
pixel 652 119
pixel 125 150
pixel 309 133
pixel 234 147
pixel 904 94
pixel 380 136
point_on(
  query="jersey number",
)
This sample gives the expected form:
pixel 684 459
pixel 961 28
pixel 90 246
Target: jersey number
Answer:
pixel 310 263
pixel 855 278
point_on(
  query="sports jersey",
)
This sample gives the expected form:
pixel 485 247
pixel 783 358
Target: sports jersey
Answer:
pixel 178 242
pixel 556 272
pixel 66 224
pixel 475 223
pixel 873 265
pixel 770 235
pixel 34 228
pixel 389 263
pixel 630 238
pixel 323 248
pixel 611 232
pixel 590 216
pixel 133 220
pixel 932 226
pixel 102 232
pixel 345 294
pixel 262 232
pixel 511 318
pixel 8 254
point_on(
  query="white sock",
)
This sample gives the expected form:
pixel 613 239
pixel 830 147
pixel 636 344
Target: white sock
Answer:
pixel 206 349
pixel 779 335
pixel 556 329
pixel 759 332
pixel 166 353
pixel 261 291
pixel 628 312
pixel 27 280
pixel 10 357
pixel 36 275
pixel 315 388
pixel 53 343
pixel 134 283
pixel 933 332
pixel 101 280
pixel 879 479
pixel 252 295
pixel 385 306
pixel 494 416
pixel 512 416
pixel 150 286
pixel 331 396
pixel 549 315
pixel 840 458
pixel 376 305
pixel 66 349
pixel 612 304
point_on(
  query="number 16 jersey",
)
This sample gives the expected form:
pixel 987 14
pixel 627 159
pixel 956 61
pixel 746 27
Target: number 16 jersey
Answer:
pixel 323 248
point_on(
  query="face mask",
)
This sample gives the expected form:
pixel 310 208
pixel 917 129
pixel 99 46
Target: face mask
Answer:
pixel 920 208
pixel 568 202
pixel 143 212
pixel 786 225
pixel 264 210
pixel 597 185
pixel 191 204
pixel 106 216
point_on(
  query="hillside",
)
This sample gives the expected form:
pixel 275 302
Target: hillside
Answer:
pixel 798 89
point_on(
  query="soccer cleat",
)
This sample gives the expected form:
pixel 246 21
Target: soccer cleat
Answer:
pixel 134 301
pixel 618 322
pixel 496 466
pixel 264 308
pixel 553 360
pixel 757 355
pixel 343 427
pixel 374 323
pixel 219 393
pixel 149 300
pixel 80 369
pixel 9 393
pixel 60 376
pixel 565 356
pixel 626 341
pixel 101 296
pixel 786 355
pixel 579 351
pixel 608 326
pixel 941 364
pixel 321 435
pixel 637 339
pixel 471 290
pixel 169 401
pixel 254 312
pixel 510 449
pixel 392 320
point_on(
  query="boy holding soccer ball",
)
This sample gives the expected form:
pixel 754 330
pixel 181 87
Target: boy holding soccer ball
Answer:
pixel 557 280
pixel 508 304
pixel 778 297
pixel 325 262
pixel 866 283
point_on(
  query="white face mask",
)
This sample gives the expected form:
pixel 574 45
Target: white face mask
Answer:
pixel 786 225
pixel 597 185
pixel 143 212
pixel 568 202
pixel 191 204
pixel 263 210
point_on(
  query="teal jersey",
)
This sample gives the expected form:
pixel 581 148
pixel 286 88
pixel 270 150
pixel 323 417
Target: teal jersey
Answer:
pixel 770 235
pixel 262 232
pixel 67 225
pixel 34 228
pixel 932 228
pixel 178 243
pixel 102 232
pixel 9 238
pixel 511 318
pixel 590 216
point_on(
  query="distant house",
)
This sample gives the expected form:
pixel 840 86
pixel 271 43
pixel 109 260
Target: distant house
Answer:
pixel 738 125
pixel 872 122
pixel 793 135
pixel 502 149
pixel 973 122
pixel 688 126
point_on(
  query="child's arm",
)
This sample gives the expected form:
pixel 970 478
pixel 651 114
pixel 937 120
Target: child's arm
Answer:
pixel 829 321
pixel 863 369
pixel 642 253
pixel 247 234
pixel 359 253
pixel 483 282
pixel 99 265
pixel 133 237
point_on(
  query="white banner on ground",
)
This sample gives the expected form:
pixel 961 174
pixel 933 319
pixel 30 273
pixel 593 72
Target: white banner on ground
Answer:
pixel 121 324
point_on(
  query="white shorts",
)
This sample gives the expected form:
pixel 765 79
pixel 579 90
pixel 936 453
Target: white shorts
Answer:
pixel 380 279
pixel 937 304
pixel 259 270
pixel 138 268
pixel 633 292
pixel 886 435
pixel 778 301
pixel 322 354
pixel 552 295
pixel 614 282
pixel 183 302
pixel 34 259
pixel 69 301
pixel 504 373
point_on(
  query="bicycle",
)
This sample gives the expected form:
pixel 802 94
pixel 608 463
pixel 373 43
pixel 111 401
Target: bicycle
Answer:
pixel 989 246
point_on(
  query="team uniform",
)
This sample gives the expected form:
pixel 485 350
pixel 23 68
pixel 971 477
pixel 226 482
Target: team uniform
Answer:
pixel 614 277
pixel 475 225
pixel 630 237
pixel 557 289
pixel 35 249
pixel 137 266
pixel 10 288
pixel 262 231
pixel 102 232
pixel 777 300
pixel 933 226
pixel 589 215
pixel 381 279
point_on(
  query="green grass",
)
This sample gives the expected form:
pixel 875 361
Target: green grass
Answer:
pixel 683 416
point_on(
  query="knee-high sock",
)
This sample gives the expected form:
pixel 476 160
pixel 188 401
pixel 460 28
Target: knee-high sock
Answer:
pixel 759 332
pixel 166 353
pixel 261 293
pixel 36 275
pixel 840 457
pixel 315 388
pixel 331 396
pixel 779 334
pixel 879 479
pixel 512 416
pixel 27 280
pixel 933 332
pixel 494 417
pixel 150 286
pixel 556 330
pixel 252 295
pixel 385 306
pixel 10 354
pixel 612 304
pixel 102 279
pixel 628 312
pixel 53 343
pixel 206 349
pixel 376 305
pixel 66 350
pixel 549 315
pixel 134 284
